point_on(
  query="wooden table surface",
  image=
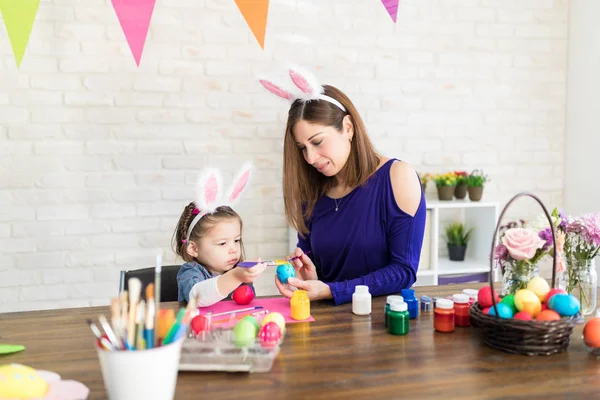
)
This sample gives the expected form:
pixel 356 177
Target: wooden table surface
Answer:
pixel 340 355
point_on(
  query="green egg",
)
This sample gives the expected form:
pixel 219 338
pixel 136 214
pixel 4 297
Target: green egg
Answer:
pixel 244 333
pixel 254 322
pixel 509 300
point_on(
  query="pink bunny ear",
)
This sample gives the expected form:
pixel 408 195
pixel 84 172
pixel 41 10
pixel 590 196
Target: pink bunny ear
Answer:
pixel 306 82
pixel 276 90
pixel 207 191
pixel 239 184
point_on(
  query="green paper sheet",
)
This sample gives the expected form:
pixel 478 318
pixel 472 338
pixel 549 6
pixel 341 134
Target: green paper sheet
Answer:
pixel 10 348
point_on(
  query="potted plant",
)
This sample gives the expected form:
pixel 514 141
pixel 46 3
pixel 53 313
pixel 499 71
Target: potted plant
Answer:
pixel 445 183
pixel 457 237
pixel 462 178
pixel 424 179
pixel 475 182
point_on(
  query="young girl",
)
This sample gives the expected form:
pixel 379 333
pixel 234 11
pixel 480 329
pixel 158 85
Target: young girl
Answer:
pixel 209 238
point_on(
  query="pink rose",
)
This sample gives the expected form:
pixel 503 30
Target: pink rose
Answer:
pixel 522 243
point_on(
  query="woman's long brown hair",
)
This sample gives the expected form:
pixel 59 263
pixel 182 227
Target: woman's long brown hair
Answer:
pixel 302 183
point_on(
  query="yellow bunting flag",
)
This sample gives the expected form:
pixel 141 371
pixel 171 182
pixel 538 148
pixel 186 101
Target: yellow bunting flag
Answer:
pixel 18 16
pixel 255 13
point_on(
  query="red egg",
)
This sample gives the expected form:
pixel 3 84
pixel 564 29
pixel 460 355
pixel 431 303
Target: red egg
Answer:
pixel 243 294
pixel 484 297
pixel 548 315
pixel 486 310
pixel 523 316
pixel 269 335
pixel 544 307
pixel 199 323
pixel 552 292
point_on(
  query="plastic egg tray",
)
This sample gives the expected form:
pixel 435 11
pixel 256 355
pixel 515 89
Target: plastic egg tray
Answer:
pixel 215 350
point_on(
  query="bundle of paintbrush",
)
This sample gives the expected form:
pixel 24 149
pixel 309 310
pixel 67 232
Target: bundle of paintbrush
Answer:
pixel 137 324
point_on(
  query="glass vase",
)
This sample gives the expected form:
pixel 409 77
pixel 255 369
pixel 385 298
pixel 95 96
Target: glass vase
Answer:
pixel 580 280
pixel 517 275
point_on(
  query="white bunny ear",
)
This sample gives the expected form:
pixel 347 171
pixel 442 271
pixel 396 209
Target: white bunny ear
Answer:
pixel 306 82
pixel 239 183
pixel 208 190
pixel 276 90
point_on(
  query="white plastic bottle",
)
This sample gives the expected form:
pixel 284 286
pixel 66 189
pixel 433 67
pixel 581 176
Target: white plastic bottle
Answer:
pixel 361 300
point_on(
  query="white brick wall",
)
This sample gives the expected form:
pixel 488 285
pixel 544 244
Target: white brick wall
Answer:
pixel 98 157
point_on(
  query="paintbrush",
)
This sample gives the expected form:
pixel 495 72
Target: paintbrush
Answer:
pixel 157 273
pixel 135 287
pixel 270 263
pixel 150 317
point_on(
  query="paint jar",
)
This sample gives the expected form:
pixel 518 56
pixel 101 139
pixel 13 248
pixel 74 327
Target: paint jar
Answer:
pixel 472 293
pixel 389 300
pixel 300 305
pixel 443 316
pixel 461 310
pixel 361 300
pixel 398 318
pixel 412 302
pixel 425 303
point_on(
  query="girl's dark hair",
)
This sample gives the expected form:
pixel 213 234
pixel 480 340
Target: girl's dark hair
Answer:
pixel 206 223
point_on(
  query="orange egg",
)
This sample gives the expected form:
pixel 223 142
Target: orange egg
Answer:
pixel 591 332
pixel 548 315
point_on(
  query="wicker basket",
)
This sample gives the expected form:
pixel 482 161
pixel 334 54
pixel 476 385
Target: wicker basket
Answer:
pixel 517 336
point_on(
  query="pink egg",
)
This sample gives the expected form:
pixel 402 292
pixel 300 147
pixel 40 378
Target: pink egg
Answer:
pixel 269 335
pixel 243 294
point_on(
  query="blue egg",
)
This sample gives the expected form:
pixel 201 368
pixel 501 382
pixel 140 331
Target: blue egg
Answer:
pixel 504 311
pixel 284 272
pixel 565 305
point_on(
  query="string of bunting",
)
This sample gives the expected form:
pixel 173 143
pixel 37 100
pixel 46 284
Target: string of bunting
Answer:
pixel 134 16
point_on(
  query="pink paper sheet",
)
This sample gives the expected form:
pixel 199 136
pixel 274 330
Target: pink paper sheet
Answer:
pixel 274 304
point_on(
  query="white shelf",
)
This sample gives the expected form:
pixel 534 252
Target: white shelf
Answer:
pixel 425 272
pixel 431 204
pixel 447 267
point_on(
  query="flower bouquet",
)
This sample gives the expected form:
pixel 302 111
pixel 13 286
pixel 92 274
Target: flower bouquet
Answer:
pixel 445 183
pixel 462 179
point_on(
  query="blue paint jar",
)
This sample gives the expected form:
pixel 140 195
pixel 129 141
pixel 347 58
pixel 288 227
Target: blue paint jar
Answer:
pixel 412 302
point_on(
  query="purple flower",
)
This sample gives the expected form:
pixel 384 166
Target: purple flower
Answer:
pixel 546 235
pixel 590 228
pixel 500 252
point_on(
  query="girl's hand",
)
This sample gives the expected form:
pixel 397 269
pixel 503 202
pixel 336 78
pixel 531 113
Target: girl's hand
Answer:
pixel 305 268
pixel 247 275
pixel 315 289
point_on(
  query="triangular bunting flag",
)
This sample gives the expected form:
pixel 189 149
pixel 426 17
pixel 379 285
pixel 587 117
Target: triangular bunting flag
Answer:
pixel 392 8
pixel 18 19
pixel 134 17
pixel 255 13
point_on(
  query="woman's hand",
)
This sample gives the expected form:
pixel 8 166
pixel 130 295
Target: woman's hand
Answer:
pixel 305 268
pixel 315 289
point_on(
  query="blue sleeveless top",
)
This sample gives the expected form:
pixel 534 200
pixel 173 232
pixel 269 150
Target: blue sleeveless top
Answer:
pixel 369 240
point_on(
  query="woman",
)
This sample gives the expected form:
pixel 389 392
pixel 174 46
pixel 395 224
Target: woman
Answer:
pixel 361 215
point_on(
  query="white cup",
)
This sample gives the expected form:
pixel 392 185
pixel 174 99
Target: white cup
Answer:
pixel 141 374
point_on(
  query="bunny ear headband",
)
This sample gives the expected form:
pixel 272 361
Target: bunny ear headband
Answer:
pixel 208 193
pixel 310 88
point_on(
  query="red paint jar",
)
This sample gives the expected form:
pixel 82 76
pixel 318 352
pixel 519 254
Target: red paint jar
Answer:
pixel 461 310
pixel 443 316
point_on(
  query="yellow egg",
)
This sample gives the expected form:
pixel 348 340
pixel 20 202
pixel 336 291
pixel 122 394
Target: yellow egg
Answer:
pixel 276 317
pixel 539 286
pixel 526 300
pixel 21 382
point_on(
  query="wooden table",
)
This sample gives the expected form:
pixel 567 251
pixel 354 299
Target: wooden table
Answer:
pixel 340 355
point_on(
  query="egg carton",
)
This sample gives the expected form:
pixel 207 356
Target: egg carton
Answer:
pixel 215 351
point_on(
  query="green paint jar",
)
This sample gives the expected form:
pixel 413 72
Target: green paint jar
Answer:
pixel 398 318
pixel 389 300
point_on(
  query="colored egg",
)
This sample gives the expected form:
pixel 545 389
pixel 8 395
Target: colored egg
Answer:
pixel 554 291
pixel 504 311
pixel 243 294
pixel 591 333
pixel 547 315
pixel 21 382
pixel 244 333
pixel 284 272
pixel 539 286
pixel 199 323
pixel 526 300
pixel 564 304
pixel 509 300
pixel 484 297
pixel 486 310
pixel 269 335
pixel 276 317
pixel 523 316
pixel 545 306
pixel 254 322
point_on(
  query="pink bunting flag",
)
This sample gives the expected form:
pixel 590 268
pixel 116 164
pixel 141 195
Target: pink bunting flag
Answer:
pixel 392 8
pixel 134 17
